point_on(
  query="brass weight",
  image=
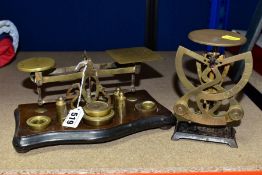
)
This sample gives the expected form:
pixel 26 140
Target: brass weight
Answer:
pixel 61 109
pixel 119 103
pixel 97 109
pixel 98 113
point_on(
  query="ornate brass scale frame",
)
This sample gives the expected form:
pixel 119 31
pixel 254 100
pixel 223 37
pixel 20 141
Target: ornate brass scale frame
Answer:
pixel 108 116
pixel 199 113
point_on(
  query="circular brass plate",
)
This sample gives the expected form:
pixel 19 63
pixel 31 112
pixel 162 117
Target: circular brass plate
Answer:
pixel 36 64
pixel 97 109
pixel 39 122
pixel 146 106
pixel 99 121
pixel 213 37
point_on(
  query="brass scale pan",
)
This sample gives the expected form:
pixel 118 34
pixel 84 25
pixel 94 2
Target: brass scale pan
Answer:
pixel 219 38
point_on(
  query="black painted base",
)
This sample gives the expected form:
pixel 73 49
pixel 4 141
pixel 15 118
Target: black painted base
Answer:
pixel 25 139
pixel 221 134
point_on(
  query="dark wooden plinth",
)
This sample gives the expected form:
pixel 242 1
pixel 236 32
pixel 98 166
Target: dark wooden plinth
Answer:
pixel 26 139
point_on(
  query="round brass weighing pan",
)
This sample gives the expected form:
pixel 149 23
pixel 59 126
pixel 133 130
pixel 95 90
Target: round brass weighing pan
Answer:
pixel 220 38
pixel 36 64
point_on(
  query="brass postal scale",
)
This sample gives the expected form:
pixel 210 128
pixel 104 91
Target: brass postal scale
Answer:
pixel 208 111
pixel 105 115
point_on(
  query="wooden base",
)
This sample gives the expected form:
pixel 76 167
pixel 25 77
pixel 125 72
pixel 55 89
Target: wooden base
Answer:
pixel 26 139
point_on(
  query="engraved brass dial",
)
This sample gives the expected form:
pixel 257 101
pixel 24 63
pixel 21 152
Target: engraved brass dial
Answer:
pixel 210 94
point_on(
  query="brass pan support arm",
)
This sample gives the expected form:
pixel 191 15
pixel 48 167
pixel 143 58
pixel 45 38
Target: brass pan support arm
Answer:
pixel 78 75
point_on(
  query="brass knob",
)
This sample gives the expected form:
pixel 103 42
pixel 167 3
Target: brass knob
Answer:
pixel 236 113
pixel 180 108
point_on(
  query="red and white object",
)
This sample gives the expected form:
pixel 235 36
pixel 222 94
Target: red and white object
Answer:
pixel 8 45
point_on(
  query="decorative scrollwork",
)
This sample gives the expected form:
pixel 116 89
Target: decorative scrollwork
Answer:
pixel 209 95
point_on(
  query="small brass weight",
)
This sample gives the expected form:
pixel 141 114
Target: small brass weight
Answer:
pixel 61 109
pixel 207 111
pixel 120 103
pixel 108 114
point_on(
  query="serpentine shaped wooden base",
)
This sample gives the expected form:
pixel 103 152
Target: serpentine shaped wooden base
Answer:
pixel 26 139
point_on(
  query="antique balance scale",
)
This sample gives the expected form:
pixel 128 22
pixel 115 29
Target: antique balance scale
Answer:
pixel 209 111
pixel 106 115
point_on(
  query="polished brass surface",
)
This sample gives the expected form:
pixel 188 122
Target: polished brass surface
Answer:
pixel 146 106
pixel 120 104
pixel 115 97
pixel 61 109
pixel 116 94
pixel 99 120
pixel 97 109
pixel 133 55
pixel 95 101
pixel 77 75
pixel 92 88
pixel 247 57
pixel 214 37
pixel 38 123
pixel 181 108
pixel 36 64
pixel 212 69
pixel 236 113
